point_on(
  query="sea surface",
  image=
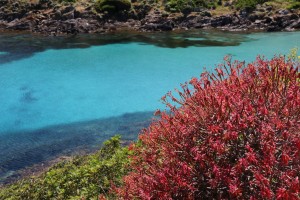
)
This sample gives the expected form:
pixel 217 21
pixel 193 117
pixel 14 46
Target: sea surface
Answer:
pixel 61 94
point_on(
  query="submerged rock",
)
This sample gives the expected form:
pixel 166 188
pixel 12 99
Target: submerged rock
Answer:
pixel 24 149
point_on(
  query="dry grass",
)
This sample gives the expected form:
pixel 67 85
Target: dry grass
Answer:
pixel 221 10
pixel 279 4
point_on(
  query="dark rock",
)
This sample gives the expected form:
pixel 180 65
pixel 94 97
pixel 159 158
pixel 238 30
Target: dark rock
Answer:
pixel 87 26
pixel 77 13
pixel 269 8
pixel 235 21
pixel 44 1
pixel 244 13
pixel 167 26
pixel 286 23
pixel 13 15
pixel 205 20
pixel 198 9
pixel 293 16
pixel 57 15
pixel 278 18
pixel 196 21
pixel 192 16
pixel 187 10
pixel 69 15
pixel 85 14
pixel 150 27
pixel 175 17
pixel 3 2
pixel 67 9
pixel 295 25
pixel 221 21
pixel 273 28
pixel 43 4
pixel 261 10
pixel 267 20
pixel 283 12
pixel 112 27
pixel 258 22
pixel 253 17
pixel 3 24
pixel 205 14
pixel 142 10
pixel 69 26
pixel 154 18
pixel 19 25
pixel 198 25
pixel 15 5
pixel 281 21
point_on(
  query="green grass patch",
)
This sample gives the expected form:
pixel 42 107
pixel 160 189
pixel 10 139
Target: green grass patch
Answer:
pixel 82 177
pixel 112 5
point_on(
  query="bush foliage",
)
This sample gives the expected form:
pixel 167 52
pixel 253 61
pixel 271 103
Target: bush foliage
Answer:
pixel 81 178
pixel 294 5
pixel 112 5
pixel 235 136
pixel 181 5
pixel 248 4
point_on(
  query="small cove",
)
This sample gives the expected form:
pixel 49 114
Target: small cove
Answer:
pixel 94 81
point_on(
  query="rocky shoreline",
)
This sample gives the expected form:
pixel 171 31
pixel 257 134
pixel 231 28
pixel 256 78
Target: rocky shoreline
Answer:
pixel 46 18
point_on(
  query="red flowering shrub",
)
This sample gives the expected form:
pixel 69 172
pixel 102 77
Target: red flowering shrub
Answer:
pixel 235 135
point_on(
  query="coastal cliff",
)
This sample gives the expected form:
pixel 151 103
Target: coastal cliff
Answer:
pixel 53 17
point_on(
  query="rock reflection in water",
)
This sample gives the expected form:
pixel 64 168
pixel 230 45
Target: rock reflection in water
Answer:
pixel 20 46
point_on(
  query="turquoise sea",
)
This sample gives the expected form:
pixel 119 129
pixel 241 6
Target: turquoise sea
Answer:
pixel 59 94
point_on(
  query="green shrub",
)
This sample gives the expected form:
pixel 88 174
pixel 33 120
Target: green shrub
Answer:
pixel 294 5
pixel 248 4
pixel 112 5
pixel 109 8
pixel 85 176
pixel 181 5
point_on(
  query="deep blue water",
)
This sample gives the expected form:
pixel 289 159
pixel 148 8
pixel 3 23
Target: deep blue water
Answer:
pixel 55 82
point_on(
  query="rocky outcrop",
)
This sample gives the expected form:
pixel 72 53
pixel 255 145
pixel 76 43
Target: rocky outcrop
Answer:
pixel 157 21
pixel 262 18
pixel 47 18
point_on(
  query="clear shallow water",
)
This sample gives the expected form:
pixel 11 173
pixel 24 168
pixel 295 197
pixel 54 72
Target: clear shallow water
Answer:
pixel 59 93
pixel 58 86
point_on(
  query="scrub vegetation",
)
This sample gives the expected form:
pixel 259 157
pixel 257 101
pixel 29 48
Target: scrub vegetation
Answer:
pixel 172 5
pixel 112 5
pixel 82 177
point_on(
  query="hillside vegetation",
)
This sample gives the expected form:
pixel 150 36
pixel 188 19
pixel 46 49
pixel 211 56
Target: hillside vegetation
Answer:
pixel 219 6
